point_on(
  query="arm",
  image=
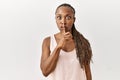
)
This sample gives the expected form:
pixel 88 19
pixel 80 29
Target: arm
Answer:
pixel 48 62
pixel 88 72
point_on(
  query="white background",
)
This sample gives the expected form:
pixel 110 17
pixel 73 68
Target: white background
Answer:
pixel 25 23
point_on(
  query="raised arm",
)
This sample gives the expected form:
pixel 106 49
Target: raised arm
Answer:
pixel 48 62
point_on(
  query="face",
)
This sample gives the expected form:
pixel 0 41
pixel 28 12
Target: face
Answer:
pixel 65 18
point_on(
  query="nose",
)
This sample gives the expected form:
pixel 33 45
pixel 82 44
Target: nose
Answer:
pixel 63 22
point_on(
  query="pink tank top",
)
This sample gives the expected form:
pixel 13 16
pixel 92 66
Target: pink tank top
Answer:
pixel 68 66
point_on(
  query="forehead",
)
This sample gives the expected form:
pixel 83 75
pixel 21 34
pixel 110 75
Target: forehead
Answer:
pixel 64 10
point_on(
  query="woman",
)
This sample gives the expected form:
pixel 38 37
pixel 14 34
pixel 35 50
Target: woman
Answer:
pixel 66 55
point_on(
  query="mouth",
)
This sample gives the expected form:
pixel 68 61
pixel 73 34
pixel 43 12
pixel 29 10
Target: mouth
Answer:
pixel 63 27
pixel 66 30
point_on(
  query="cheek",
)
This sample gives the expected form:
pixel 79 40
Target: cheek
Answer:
pixel 57 22
pixel 70 23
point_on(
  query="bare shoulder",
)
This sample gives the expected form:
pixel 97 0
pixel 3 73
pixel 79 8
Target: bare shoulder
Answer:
pixel 46 41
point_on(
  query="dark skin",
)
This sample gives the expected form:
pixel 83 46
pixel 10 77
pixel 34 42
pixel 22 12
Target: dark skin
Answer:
pixel 64 19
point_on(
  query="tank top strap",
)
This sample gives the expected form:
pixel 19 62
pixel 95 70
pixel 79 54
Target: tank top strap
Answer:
pixel 52 42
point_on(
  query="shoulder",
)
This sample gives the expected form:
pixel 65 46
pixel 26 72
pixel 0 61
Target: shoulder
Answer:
pixel 46 40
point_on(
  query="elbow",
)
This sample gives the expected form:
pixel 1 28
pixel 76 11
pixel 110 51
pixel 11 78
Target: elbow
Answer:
pixel 44 71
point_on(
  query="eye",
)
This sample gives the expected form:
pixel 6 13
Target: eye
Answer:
pixel 58 17
pixel 68 17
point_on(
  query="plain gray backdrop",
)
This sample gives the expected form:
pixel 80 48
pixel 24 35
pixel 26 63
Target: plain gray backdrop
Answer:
pixel 25 23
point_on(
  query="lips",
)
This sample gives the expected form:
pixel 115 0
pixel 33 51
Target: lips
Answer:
pixel 64 28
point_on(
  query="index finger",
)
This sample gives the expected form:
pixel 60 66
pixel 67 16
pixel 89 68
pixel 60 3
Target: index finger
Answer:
pixel 63 30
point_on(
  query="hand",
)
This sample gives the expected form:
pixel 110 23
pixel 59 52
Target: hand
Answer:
pixel 66 36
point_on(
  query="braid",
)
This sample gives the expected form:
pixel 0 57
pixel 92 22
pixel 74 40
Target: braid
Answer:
pixel 82 45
